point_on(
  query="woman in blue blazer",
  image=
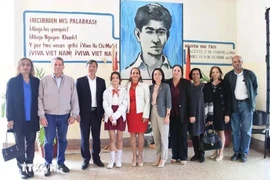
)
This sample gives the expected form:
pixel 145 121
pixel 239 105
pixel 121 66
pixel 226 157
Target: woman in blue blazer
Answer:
pixel 21 113
pixel 160 99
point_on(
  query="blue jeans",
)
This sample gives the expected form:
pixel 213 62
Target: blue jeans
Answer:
pixel 59 124
pixel 242 128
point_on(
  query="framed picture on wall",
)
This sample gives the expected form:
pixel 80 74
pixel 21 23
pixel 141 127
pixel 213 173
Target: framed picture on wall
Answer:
pixel 151 37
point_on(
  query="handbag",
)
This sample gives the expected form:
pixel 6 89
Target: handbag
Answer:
pixel 210 140
pixel 12 151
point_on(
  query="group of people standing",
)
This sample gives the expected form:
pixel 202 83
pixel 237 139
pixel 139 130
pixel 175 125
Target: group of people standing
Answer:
pixel 174 107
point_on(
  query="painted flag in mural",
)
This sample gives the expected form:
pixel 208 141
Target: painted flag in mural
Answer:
pixel 188 63
pixel 115 62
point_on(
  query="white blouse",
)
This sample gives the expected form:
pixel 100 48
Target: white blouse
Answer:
pixel 110 99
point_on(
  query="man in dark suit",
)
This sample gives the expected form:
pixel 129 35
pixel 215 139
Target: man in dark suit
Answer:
pixel 90 90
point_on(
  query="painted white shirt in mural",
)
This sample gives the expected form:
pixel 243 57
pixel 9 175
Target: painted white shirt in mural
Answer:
pixel 166 67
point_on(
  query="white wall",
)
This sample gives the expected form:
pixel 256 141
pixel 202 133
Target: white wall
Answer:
pixel 206 20
pixel 251 42
pixel 238 21
pixel 7 47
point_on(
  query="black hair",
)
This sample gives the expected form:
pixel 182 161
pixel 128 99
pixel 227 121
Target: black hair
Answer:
pixel 162 73
pixel 195 69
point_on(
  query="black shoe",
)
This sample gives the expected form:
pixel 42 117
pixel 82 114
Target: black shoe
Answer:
pixel 195 157
pixel 23 174
pixel 243 158
pixel 235 156
pixel 63 168
pixel 47 171
pixel 99 163
pixel 201 159
pixel 30 171
pixel 85 165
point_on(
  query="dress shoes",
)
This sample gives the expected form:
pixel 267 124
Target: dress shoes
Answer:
pixel 201 159
pixel 99 163
pixel 63 168
pixel 47 171
pixel 243 158
pixel 235 156
pixel 23 174
pixel 195 157
pixel 29 171
pixel 85 165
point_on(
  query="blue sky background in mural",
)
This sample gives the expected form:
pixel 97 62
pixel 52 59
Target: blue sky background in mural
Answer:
pixel 128 43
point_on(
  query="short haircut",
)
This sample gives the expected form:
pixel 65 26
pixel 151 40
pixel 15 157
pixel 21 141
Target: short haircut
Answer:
pixel 162 73
pixel 155 12
pixel 195 69
pixel 118 74
pixel 58 58
pixel 210 73
pixel 91 61
pixel 177 65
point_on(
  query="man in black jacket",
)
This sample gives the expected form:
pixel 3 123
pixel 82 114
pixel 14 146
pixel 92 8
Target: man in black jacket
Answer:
pixel 243 83
pixel 90 90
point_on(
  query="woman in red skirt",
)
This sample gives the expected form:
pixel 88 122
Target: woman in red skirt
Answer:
pixel 138 99
pixel 115 106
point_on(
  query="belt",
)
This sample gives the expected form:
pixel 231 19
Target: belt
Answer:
pixel 244 100
pixel 93 108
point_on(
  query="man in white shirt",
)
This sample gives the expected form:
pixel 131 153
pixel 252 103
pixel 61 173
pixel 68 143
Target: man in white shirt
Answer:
pixel 244 85
pixel 153 22
pixel 90 90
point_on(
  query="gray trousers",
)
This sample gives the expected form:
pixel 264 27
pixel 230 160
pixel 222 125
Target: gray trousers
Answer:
pixel 161 134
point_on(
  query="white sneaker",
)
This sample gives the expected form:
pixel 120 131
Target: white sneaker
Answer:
pixel 183 162
pixel 110 165
pixel 118 164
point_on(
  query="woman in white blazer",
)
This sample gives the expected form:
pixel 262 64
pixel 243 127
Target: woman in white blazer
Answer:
pixel 115 107
pixel 138 113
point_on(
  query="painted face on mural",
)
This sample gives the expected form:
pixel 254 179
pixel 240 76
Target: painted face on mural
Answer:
pixel 152 38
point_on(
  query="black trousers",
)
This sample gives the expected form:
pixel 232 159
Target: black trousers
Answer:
pixel 179 139
pixel 93 124
pixel 196 145
pixel 28 143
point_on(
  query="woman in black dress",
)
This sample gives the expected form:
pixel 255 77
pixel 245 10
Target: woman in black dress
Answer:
pixel 222 106
pixel 204 111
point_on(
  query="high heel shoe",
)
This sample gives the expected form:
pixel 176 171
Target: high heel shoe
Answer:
pixel 161 163
pixel 219 158
pixel 133 162
pixel 140 162
pixel 156 162
pixel 214 155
